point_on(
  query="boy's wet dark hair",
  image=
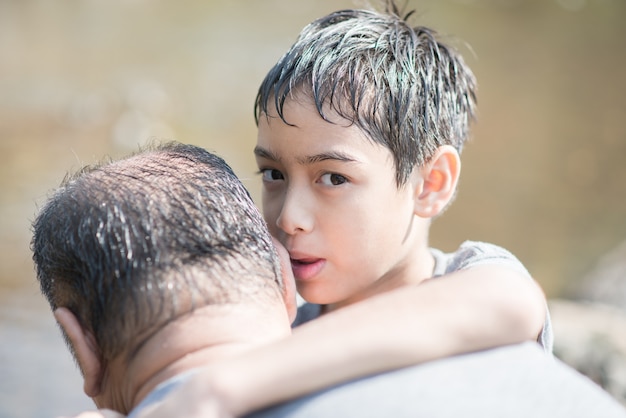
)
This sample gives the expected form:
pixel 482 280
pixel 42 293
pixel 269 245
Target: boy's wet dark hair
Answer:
pixel 130 245
pixel 405 89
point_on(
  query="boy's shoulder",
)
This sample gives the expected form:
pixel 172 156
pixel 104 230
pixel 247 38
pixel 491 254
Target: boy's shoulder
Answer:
pixel 472 254
pixel 306 311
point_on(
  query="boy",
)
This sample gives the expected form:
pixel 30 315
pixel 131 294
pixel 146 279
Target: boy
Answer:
pixel 360 125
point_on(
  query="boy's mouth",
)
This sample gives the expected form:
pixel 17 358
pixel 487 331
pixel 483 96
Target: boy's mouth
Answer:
pixel 306 268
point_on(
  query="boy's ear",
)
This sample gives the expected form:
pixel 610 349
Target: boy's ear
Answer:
pixel 85 350
pixel 289 283
pixel 438 181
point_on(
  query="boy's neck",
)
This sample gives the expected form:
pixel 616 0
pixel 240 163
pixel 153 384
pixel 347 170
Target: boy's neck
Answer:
pixel 416 268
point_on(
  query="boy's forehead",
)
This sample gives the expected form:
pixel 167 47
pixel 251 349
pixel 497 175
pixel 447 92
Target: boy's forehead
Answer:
pixel 300 101
pixel 305 137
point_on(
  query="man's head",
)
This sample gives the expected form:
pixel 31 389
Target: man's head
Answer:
pixel 400 85
pixel 130 246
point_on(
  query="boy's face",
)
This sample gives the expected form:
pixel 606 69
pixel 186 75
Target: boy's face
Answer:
pixel 330 197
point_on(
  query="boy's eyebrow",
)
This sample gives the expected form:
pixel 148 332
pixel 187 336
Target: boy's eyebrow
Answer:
pixel 324 156
pixel 331 155
pixel 265 153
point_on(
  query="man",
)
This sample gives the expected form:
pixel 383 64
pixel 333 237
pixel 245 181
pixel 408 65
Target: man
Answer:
pixel 156 264
pixel 159 264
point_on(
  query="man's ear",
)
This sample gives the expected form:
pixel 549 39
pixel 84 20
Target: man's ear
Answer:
pixel 438 181
pixel 289 283
pixel 85 350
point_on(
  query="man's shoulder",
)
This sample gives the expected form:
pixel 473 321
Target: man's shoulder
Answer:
pixel 162 391
pixel 513 381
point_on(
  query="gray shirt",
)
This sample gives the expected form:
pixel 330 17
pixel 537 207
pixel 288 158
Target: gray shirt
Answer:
pixel 518 381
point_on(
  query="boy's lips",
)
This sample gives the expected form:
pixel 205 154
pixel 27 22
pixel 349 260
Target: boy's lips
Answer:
pixel 306 268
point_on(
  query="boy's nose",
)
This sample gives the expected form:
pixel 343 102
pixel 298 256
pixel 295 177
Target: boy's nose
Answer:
pixel 296 215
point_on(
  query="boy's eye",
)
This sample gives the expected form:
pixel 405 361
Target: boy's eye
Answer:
pixel 270 174
pixel 333 179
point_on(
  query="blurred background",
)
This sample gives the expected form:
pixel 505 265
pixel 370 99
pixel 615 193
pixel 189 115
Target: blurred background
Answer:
pixel 544 175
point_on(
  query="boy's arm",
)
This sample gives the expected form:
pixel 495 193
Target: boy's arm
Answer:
pixel 469 310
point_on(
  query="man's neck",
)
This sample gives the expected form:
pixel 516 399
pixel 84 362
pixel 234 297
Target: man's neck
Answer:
pixel 207 335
